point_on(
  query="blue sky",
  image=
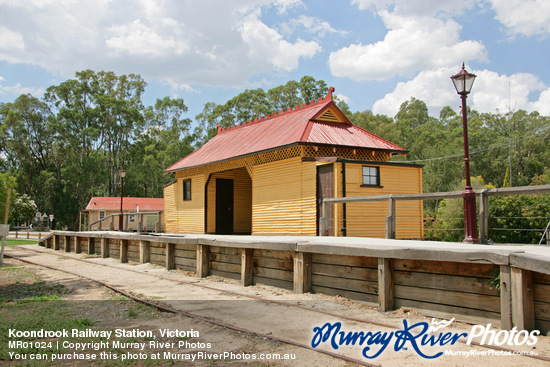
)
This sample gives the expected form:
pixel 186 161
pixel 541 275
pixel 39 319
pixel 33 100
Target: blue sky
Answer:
pixel 376 53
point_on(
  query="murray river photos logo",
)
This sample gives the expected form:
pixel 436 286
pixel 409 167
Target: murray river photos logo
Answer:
pixel 420 337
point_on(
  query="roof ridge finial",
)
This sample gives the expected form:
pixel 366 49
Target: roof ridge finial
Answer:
pixel 329 95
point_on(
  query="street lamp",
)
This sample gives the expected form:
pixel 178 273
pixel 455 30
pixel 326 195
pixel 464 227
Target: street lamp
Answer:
pixel 122 174
pixel 463 82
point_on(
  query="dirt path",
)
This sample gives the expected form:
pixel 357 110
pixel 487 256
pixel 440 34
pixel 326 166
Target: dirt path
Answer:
pixel 288 316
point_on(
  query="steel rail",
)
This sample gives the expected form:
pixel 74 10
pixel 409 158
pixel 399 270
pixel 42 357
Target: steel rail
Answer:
pixel 194 316
pixel 361 320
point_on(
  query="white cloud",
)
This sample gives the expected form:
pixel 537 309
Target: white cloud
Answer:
pixel 138 39
pixel 417 7
pixel 505 93
pixel 542 105
pixel 11 40
pixel 412 44
pixel 311 25
pixel 208 42
pixel 521 17
pixel 524 17
pixel 266 44
pixel 344 98
pixel 491 93
pixel 283 5
pixel 17 89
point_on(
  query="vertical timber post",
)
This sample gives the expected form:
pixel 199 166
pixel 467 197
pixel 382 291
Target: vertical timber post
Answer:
pixel 386 301
pixel 302 272
pixel 143 251
pixel 203 261
pixel 123 251
pixel 390 219
pixel 104 247
pixel 505 297
pixel 170 256
pixel 91 246
pixel 484 216
pixel 247 265
pixel 523 303
pixel 77 246
pixel 323 220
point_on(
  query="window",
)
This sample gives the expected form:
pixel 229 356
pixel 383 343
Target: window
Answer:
pixel 187 190
pixel 371 176
pixel 101 215
pixel 131 218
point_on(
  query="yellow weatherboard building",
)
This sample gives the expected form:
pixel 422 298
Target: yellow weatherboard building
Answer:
pixel 268 177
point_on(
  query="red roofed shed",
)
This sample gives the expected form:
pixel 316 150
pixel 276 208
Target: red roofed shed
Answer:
pixel 147 211
pixel 267 176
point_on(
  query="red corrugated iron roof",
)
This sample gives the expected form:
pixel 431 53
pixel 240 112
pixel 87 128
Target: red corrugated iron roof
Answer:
pixel 296 126
pixel 131 204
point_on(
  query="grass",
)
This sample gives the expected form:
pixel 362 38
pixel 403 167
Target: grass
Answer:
pixel 27 302
pixel 15 242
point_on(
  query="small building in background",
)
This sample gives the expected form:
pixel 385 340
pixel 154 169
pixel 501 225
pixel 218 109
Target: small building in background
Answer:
pixel 140 214
pixel 269 176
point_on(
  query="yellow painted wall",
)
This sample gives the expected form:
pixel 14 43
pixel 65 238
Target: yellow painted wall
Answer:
pixel 170 209
pixel 280 199
pixel 185 216
pixel 242 191
pixel 283 198
pixel 369 219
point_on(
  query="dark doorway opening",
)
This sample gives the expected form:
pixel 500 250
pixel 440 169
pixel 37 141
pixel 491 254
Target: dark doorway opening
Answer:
pixel 224 206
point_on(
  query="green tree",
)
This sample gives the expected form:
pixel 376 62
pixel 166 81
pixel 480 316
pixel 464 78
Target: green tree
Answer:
pixel 521 218
pixel 164 139
pixel 252 104
pixel 24 209
pixel 96 115
pixel 448 223
pixel 6 182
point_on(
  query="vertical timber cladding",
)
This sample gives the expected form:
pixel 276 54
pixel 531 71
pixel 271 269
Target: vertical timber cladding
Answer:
pixel 242 200
pixel 440 288
pixel 283 198
pixel 354 277
pixel 369 219
pixel 170 208
pixel 541 285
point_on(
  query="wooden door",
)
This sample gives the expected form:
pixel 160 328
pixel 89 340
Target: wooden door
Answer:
pixel 224 206
pixel 325 189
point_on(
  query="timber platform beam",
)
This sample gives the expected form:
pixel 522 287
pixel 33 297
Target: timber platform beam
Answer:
pixel 506 285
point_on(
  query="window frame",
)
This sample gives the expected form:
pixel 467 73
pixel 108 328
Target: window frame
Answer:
pixel 101 215
pixel 186 190
pixel 370 176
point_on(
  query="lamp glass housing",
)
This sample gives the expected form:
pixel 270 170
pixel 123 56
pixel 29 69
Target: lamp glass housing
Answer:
pixel 122 173
pixel 463 81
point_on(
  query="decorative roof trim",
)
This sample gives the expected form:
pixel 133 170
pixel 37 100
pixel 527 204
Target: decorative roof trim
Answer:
pixel 235 157
pixel 289 111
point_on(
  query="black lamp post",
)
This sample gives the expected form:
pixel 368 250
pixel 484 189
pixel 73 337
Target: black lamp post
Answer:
pixel 463 82
pixel 120 223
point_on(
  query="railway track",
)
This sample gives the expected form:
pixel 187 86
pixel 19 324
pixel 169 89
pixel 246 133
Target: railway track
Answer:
pixel 164 308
